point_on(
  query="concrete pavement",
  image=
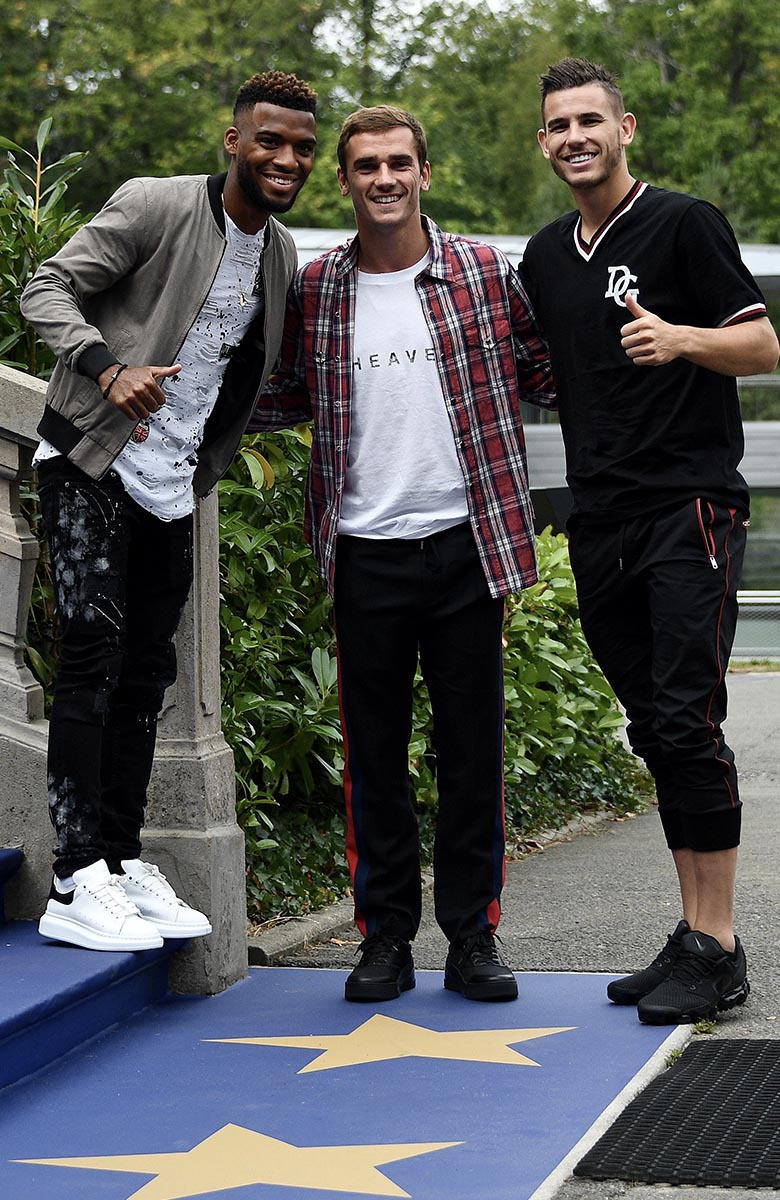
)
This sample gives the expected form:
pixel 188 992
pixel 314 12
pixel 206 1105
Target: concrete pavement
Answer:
pixel 605 899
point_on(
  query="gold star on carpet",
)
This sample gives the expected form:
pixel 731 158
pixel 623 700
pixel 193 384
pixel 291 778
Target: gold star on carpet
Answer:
pixel 383 1038
pixel 235 1157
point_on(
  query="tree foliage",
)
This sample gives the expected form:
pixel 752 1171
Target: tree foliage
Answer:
pixel 152 94
pixel 703 77
pixel 34 223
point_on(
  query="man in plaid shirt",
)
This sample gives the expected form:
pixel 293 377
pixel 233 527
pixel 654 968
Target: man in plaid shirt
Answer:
pixel 411 350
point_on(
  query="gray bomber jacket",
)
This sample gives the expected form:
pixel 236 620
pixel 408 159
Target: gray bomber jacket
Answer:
pixel 126 288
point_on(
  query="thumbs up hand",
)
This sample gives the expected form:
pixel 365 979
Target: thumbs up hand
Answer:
pixel 647 340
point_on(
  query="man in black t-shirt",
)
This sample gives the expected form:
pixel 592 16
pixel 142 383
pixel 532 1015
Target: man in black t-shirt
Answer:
pixel 650 315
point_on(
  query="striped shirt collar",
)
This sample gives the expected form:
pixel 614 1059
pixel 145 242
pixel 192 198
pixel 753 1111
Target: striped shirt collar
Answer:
pixel 586 249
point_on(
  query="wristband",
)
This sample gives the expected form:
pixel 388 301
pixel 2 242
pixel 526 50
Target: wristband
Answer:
pixel 122 367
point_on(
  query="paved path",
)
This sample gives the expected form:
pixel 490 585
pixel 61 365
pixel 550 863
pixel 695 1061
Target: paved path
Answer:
pixel 605 900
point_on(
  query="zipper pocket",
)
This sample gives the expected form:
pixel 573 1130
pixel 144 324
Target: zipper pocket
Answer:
pixel 706 530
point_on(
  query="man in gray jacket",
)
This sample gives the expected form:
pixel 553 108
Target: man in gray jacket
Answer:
pixel 165 312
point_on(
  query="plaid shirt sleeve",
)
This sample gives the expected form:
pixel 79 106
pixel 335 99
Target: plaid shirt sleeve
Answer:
pixel 531 352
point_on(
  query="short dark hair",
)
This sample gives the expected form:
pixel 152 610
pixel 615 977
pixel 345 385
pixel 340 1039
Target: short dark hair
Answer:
pixel 577 72
pixel 378 120
pixel 275 87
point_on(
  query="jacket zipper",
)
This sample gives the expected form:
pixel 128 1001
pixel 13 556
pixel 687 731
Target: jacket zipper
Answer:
pixel 706 532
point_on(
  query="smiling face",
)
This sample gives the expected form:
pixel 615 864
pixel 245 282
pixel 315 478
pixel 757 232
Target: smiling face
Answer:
pixel 585 136
pixel 383 177
pixel 272 149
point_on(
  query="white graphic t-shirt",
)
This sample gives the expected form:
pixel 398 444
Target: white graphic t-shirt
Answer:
pixel 403 475
pixel 157 464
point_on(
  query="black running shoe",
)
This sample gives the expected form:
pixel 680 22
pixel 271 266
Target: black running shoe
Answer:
pixel 631 988
pixel 705 980
pixel 385 969
pixel 475 968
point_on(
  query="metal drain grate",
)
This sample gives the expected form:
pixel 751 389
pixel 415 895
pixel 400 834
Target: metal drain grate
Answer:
pixel 713 1118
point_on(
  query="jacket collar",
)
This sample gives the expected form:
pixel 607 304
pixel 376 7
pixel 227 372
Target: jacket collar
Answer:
pixel 215 186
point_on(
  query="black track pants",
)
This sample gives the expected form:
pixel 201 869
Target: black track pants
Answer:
pixel 658 605
pixel 397 600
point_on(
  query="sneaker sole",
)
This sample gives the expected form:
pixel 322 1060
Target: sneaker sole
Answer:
pixel 178 931
pixel 502 989
pixel 374 992
pixel 731 1000
pixel 60 929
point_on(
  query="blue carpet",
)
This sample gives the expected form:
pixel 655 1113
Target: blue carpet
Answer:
pixel 54 997
pixel 432 1096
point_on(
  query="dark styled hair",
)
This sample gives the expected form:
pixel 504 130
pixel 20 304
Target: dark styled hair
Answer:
pixel 274 87
pixel 378 120
pixel 577 72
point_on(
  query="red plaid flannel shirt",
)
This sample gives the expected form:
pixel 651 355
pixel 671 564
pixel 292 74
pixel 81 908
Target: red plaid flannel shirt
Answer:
pixel 490 353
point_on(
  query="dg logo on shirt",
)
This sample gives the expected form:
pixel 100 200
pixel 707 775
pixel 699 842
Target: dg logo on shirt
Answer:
pixel 620 279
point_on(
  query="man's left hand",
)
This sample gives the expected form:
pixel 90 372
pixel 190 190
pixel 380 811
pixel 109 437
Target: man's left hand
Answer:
pixel 647 340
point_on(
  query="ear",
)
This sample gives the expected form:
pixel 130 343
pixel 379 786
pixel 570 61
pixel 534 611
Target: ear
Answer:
pixel 541 137
pixel 628 128
pixel 343 185
pixel 231 140
pixel 425 177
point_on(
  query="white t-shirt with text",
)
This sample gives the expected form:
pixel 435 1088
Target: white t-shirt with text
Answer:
pixel 403 476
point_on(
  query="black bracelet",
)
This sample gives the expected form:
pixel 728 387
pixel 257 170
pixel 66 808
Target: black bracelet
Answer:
pixel 122 367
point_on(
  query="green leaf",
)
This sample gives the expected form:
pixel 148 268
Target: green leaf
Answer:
pixel 42 134
pixel 7 144
pixel 325 669
pixel 260 469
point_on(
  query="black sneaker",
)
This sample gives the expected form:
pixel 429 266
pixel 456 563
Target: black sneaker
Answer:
pixel 475 968
pixel 385 969
pixel 705 979
pixel 631 988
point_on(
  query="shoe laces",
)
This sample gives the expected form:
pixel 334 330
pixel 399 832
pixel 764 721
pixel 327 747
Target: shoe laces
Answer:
pixel 480 947
pixel 691 969
pixel 670 953
pixel 153 880
pixel 380 947
pixel 112 896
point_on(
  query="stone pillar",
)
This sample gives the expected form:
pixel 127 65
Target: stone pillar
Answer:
pixel 191 829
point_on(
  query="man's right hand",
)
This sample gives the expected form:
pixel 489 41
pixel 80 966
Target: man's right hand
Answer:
pixel 136 392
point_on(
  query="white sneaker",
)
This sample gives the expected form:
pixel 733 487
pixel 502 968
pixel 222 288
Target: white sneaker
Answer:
pixel 97 914
pixel 149 890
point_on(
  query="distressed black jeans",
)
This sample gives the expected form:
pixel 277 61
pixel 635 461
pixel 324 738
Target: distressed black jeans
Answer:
pixel 121 578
